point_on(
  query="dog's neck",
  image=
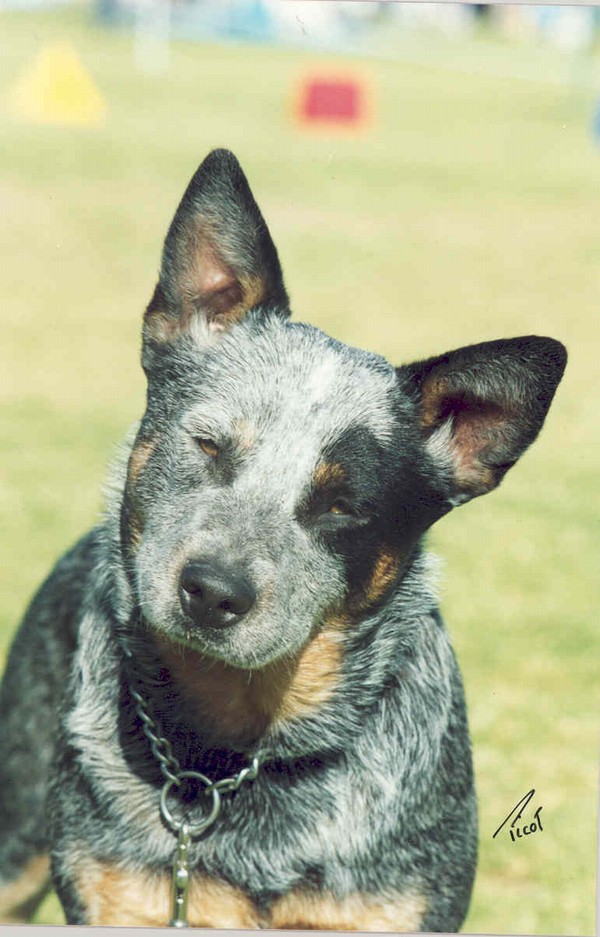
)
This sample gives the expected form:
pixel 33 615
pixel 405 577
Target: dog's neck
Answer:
pixel 225 707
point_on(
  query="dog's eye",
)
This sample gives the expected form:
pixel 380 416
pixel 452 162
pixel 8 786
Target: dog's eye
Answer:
pixel 340 508
pixel 208 446
pixel 337 516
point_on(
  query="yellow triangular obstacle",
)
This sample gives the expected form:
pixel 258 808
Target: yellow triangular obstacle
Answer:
pixel 57 89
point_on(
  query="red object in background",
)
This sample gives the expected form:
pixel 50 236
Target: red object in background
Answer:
pixel 331 100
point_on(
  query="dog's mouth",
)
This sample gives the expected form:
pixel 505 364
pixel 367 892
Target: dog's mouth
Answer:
pixel 249 642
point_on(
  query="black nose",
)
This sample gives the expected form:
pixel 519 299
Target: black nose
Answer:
pixel 215 596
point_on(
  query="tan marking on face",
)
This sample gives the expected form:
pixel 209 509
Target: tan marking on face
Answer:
pixel 385 570
pixel 314 677
pixel 245 434
pixel 314 911
pixel 140 454
pixel 327 473
pixel 138 460
pixel 240 705
pixel 135 529
pixel 18 899
pixel 114 896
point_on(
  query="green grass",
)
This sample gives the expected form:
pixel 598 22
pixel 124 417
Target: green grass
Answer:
pixel 469 212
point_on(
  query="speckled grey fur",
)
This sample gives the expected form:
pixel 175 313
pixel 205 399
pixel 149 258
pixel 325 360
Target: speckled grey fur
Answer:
pixel 373 792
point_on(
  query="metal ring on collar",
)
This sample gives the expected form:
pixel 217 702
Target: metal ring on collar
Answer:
pixel 195 829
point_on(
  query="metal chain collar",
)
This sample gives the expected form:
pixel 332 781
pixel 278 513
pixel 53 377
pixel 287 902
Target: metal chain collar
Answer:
pixel 173 777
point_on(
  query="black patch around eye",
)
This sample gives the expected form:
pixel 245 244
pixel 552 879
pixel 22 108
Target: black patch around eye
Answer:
pixel 359 460
pixel 333 522
pixel 345 486
pixel 359 453
pixel 341 508
pixel 329 505
pixel 372 480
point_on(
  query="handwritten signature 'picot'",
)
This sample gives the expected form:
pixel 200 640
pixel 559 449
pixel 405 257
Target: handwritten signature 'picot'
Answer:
pixel 517 832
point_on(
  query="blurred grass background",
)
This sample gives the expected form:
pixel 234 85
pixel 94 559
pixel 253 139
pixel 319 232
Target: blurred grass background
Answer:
pixel 469 211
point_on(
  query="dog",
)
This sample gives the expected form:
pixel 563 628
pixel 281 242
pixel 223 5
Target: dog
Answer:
pixel 234 702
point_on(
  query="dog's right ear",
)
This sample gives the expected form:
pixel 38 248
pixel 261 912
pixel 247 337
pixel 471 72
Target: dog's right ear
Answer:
pixel 481 406
pixel 218 260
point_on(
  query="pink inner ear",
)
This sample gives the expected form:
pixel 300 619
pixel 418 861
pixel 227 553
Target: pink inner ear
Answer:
pixel 478 428
pixel 216 288
pixel 215 281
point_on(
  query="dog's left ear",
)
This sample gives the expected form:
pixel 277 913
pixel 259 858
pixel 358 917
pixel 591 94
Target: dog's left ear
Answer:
pixel 481 406
pixel 218 260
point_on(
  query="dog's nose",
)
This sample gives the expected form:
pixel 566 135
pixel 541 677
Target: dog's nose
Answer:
pixel 214 596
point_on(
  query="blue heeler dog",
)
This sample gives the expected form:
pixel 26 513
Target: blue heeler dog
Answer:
pixel 234 703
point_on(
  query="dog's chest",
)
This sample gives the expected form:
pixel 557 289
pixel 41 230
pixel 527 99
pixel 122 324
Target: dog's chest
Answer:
pixel 265 863
pixel 115 896
pixel 270 839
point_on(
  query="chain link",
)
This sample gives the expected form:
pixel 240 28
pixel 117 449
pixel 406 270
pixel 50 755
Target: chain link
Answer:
pixel 159 745
pixel 171 769
pixel 174 776
pixel 227 785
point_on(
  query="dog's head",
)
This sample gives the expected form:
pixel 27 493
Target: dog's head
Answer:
pixel 281 479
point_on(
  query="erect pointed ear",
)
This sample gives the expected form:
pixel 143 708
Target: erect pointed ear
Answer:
pixel 218 260
pixel 481 406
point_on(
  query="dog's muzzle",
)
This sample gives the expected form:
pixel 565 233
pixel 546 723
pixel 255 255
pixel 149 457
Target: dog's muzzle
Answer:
pixel 214 596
